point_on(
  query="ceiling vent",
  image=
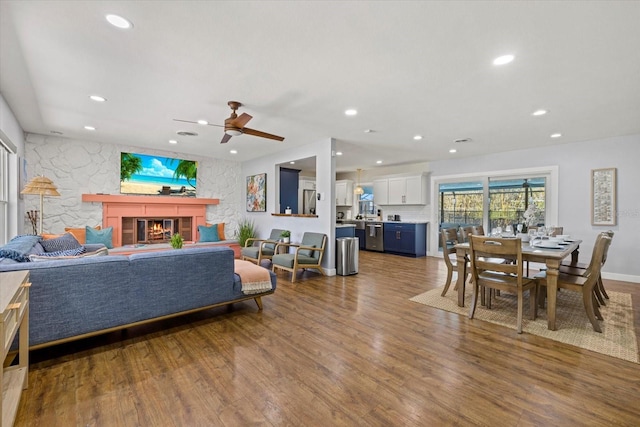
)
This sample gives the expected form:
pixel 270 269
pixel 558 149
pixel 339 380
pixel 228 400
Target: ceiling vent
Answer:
pixel 462 140
pixel 185 133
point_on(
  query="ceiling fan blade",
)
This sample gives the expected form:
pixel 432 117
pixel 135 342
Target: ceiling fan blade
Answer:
pixel 225 139
pixel 241 120
pixel 196 123
pixel 254 132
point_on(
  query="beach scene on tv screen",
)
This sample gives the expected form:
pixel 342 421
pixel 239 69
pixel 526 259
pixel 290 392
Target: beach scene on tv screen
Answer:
pixel 157 175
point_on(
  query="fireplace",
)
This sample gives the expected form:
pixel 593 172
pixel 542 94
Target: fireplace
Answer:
pixel 123 213
pixel 155 230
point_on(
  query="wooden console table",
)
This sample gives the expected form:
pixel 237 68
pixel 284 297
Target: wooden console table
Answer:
pixel 14 303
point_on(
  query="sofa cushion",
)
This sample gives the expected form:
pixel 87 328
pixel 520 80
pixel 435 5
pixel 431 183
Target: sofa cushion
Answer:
pixel 104 236
pixel 62 243
pixel 208 234
pixel 79 233
pixel 220 230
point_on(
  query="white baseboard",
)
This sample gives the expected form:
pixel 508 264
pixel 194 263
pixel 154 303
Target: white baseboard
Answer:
pixel 621 277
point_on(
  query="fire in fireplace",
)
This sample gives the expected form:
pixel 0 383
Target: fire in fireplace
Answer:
pixel 154 230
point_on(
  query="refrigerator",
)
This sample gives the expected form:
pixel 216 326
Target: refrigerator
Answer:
pixel 309 201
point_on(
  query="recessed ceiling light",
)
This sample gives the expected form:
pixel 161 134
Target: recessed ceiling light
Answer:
pixel 556 135
pixel 504 59
pixel 119 21
pixel 203 122
pixel 539 113
pixel 417 137
pixel 453 150
pixel 292 163
pixel 351 112
pixel 379 161
pixel 89 128
pixel 97 98
pixel 233 151
pixel 338 153
pixel 173 141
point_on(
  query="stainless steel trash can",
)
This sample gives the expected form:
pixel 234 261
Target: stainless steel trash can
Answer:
pixel 347 256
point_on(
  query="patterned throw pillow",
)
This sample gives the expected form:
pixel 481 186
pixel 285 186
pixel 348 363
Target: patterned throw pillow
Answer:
pixel 62 243
pixel 208 234
pixel 49 257
pixel 104 236
pixel 68 252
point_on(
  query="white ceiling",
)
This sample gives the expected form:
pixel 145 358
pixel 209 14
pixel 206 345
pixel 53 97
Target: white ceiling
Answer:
pixel 407 67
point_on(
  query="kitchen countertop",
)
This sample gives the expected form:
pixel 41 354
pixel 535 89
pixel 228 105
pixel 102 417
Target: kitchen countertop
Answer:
pixel 344 225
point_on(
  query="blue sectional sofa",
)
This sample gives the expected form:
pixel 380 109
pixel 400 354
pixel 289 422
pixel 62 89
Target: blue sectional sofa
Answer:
pixel 80 297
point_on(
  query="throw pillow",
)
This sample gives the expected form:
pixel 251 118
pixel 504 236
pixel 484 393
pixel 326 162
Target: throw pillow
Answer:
pixel 46 236
pixel 220 230
pixel 307 252
pixel 104 236
pixel 79 233
pixel 208 234
pixel 62 243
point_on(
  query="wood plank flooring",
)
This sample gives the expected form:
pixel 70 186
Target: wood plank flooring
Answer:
pixel 332 351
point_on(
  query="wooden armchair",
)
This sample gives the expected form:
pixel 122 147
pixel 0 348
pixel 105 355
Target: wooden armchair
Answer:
pixel 308 254
pixel 256 250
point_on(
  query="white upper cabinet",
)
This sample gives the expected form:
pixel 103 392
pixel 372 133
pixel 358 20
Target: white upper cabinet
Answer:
pixel 409 190
pixel 381 191
pixel 344 193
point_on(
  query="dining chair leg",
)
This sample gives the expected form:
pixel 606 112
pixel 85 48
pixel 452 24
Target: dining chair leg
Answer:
pixel 448 282
pixel 598 296
pixel 588 299
pixel 520 310
pixel 474 300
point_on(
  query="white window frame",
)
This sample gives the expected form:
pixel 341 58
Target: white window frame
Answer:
pixel 551 192
pixel 4 195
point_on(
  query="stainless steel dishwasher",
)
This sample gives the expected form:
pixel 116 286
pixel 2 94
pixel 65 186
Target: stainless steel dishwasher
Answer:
pixel 374 236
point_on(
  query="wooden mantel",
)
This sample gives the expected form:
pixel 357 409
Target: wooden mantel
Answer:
pixel 173 200
pixel 118 206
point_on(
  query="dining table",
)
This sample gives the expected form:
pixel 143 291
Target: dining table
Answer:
pixel 547 253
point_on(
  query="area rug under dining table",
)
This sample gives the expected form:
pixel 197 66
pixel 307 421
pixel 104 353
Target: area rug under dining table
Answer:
pixel 618 337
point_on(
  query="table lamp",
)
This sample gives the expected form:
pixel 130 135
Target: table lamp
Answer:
pixel 44 187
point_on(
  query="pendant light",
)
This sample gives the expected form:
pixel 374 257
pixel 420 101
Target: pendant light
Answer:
pixel 359 189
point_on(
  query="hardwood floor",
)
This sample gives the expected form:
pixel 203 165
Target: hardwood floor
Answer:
pixel 332 351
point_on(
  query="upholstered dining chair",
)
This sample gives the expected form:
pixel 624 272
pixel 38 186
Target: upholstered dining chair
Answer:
pixel 584 284
pixel 308 254
pixel 449 238
pixel 256 250
pixel 506 277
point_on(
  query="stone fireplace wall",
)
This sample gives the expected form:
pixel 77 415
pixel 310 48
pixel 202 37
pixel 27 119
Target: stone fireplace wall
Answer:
pixel 79 167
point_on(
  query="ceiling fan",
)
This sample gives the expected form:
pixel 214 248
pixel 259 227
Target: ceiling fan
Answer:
pixel 234 125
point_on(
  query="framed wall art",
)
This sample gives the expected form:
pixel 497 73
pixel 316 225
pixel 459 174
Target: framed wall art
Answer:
pixel 603 197
pixel 257 193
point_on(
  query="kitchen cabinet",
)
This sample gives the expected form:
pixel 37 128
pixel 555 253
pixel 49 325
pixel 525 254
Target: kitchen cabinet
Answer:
pixel 405 239
pixel 409 190
pixel 344 193
pixel 381 191
pixel 307 184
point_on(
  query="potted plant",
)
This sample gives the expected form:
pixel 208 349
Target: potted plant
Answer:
pixel 285 236
pixel 177 241
pixel 246 230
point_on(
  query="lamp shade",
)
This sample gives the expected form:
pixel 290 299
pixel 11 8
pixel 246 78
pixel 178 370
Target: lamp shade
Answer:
pixel 41 185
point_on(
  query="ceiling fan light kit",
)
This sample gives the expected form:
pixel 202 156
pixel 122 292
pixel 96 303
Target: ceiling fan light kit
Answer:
pixel 234 125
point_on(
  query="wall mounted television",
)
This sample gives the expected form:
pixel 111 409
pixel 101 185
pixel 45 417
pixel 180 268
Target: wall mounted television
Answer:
pixel 157 175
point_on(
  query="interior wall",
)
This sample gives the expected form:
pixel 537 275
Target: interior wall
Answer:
pixel 11 131
pixel 325 175
pixel 77 167
pixel 575 162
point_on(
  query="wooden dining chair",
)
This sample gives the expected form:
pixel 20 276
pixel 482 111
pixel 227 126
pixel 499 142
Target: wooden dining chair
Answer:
pixel 585 283
pixel 465 232
pixel 449 238
pixel 506 277
pixel 477 230
pixel 579 269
